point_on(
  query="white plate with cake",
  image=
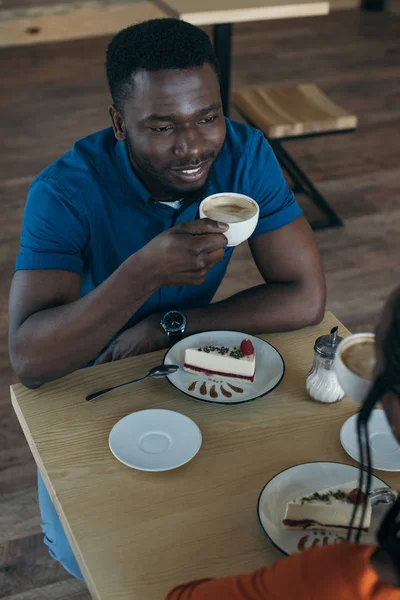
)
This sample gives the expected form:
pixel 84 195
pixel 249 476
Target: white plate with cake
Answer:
pixel 225 367
pixel 311 505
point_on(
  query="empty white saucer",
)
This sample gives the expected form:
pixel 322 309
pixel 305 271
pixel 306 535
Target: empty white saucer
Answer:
pixel 385 450
pixel 155 440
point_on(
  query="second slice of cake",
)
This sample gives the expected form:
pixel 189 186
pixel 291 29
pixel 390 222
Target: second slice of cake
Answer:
pixel 330 508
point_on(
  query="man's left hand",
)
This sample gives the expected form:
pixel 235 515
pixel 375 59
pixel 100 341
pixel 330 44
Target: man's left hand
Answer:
pixel 145 336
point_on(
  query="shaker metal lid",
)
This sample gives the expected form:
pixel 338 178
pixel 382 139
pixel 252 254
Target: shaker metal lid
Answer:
pixel 326 345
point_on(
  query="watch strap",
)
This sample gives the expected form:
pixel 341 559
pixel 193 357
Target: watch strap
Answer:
pixel 175 337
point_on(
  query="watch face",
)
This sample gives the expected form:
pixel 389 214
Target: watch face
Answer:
pixel 173 321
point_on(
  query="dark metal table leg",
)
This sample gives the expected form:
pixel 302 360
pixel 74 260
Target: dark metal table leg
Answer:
pixel 373 5
pixel 222 47
pixel 303 184
pixel 300 183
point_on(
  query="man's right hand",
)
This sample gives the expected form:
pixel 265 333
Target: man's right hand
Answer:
pixel 184 254
pixel 53 331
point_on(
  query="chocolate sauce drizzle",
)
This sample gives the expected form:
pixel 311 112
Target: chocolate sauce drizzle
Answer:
pixel 326 540
pixel 213 391
pixel 226 392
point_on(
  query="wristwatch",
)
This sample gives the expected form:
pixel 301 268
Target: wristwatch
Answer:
pixel 174 324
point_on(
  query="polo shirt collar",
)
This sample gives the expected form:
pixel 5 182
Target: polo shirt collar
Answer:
pixel 125 167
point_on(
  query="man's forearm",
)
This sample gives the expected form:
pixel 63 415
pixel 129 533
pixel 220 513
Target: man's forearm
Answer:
pixel 266 308
pixel 56 341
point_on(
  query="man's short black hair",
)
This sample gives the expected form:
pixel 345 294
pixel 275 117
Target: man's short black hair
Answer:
pixel 155 45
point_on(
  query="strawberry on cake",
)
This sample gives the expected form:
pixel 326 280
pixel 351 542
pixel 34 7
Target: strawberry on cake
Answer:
pixel 236 363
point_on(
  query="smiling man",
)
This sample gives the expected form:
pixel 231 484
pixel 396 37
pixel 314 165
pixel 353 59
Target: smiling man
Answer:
pixel 114 260
pixel 111 240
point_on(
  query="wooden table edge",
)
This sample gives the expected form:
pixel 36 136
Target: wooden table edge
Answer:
pixel 49 486
pixel 242 15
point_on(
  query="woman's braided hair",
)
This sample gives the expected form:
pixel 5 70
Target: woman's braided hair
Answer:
pixel 388 381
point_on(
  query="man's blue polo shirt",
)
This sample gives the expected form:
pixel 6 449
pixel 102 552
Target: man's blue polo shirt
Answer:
pixel 88 212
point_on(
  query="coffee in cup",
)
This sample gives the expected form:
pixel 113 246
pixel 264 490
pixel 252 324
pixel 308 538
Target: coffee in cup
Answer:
pixel 354 365
pixel 240 212
pixel 229 209
pixel 360 358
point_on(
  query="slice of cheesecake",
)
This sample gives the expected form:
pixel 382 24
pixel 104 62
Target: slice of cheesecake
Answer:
pixel 236 363
pixel 328 508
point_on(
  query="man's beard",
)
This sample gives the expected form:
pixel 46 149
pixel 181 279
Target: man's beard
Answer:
pixel 168 192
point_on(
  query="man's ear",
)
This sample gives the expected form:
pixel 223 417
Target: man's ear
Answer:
pixel 118 124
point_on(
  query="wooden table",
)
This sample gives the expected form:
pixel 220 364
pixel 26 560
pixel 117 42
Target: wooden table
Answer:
pixel 65 20
pixel 137 534
pixel 223 13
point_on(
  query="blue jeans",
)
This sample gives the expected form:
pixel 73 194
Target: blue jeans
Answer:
pixel 54 535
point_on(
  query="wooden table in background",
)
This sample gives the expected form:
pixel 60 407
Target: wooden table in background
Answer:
pixel 135 534
pixel 223 13
pixel 71 20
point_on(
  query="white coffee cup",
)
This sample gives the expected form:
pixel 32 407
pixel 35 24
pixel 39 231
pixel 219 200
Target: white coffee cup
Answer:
pixel 353 385
pixel 241 223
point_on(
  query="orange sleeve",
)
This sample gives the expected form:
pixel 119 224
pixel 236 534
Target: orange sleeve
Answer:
pixel 341 571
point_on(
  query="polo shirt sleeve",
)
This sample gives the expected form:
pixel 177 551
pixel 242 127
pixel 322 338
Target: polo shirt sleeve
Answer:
pixel 267 185
pixel 53 235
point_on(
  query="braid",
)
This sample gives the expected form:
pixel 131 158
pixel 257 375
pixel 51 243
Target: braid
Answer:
pixel 391 349
pixel 388 381
pixel 388 535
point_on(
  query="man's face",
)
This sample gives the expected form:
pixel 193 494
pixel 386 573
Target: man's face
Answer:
pixel 174 129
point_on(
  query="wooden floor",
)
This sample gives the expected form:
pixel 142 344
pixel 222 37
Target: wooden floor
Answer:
pixel 52 95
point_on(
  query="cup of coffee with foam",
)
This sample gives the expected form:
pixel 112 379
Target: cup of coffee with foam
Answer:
pixel 354 365
pixel 240 212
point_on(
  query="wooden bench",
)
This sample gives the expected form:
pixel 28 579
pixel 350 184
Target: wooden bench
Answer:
pixel 288 112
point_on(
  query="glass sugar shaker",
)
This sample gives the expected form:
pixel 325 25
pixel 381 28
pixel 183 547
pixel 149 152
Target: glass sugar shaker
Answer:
pixel 321 383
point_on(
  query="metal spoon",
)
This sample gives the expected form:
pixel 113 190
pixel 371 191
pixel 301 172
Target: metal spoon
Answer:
pixel 383 496
pixel 156 372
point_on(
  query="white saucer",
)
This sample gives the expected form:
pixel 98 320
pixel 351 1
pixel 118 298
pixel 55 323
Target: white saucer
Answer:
pixel 155 440
pixel 385 450
pixel 270 369
pixel 302 480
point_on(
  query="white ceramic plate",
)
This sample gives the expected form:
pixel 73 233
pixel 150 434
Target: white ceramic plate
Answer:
pixel 385 450
pixel 302 480
pixel 155 440
pixel 270 369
